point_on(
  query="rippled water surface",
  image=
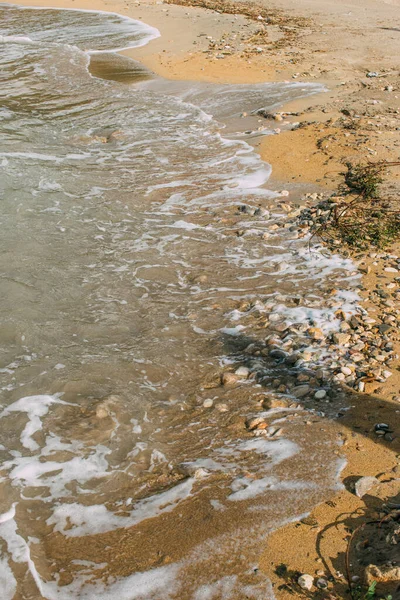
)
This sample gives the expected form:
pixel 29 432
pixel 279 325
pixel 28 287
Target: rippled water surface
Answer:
pixel 127 273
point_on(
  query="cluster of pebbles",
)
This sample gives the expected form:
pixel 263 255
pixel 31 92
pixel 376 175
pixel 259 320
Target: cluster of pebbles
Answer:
pixel 302 362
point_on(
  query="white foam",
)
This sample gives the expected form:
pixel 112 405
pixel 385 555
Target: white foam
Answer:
pixel 224 588
pixel 155 584
pixel 8 583
pixel 16 39
pixel 139 586
pixel 277 451
pixel 19 549
pixel 35 407
pixel 245 488
pixel 147 32
pixel 89 520
pixel 184 225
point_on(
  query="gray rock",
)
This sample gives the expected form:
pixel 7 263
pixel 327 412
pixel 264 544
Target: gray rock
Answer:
pixel 301 390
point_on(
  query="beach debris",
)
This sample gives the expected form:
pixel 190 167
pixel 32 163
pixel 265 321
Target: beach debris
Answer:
pixel 383 573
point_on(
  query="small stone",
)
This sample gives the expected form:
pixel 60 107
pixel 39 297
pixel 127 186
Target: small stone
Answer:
pixel 208 403
pixel 305 581
pixel 341 338
pixel 252 424
pixel 242 372
pixel 269 403
pixel 228 378
pixel 102 413
pixel 316 333
pixel 201 473
pixel 320 394
pixel 262 212
pixel 322 584
pixel 391 270
pixel 301 391
pixel 277 353
pixel 382 426
pixel 346 371
pixel 274 432
pixel 384 328
pixel 364 484
pixel 340 377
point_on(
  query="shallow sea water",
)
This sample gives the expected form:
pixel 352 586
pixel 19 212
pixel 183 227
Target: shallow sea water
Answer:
pixel 122 281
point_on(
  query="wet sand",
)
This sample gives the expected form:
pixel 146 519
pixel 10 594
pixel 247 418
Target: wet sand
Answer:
pixel 340 44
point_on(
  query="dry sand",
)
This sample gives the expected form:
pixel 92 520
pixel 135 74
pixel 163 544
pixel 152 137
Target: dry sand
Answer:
pixel 337 44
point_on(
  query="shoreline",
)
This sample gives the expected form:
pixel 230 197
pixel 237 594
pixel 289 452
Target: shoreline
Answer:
pixel 299 155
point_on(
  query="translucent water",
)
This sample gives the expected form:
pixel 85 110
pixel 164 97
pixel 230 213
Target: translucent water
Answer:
pixel 122 275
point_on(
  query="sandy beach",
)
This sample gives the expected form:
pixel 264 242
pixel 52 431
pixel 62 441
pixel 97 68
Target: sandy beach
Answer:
pixel 352 48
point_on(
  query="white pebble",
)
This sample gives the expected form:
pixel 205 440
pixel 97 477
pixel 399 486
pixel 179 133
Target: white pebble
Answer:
pixel 242 372
pixel 201 473
pixel 305 581
pixel 320 394
pixel 346 371
pixel 208 403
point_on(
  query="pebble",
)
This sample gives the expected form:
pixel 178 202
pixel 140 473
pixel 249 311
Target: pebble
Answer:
pixel 340 377
pixel 346 371
pixel 102 413
pixel 322 584
pixel 341 338
pixel 316 333
pixel 228 378
pixel 301 391
pixel 382 426
pixel 364 484
pixel 305 581
pixel 242 372
pixel 253 423
pixel 201 473
pixel 320 394
pixel 208 403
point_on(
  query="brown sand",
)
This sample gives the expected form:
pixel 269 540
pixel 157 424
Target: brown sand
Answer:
pixel 342 41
